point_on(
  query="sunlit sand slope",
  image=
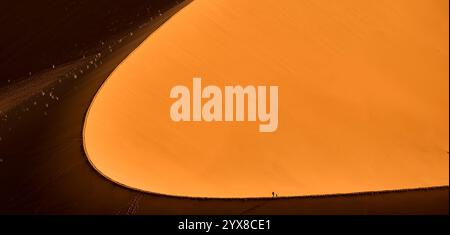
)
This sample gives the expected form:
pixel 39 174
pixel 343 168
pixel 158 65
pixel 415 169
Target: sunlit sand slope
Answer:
pixel 363 100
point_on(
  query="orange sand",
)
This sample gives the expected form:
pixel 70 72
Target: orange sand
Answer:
pixel 363 100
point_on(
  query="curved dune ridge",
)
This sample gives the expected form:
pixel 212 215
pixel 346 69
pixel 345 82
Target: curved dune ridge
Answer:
pixel 363 100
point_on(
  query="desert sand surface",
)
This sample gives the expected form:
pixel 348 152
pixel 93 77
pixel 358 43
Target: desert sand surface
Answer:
pixel 43 168
pixel 363 100
pixel 37 35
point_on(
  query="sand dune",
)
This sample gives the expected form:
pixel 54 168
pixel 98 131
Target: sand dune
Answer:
pixel 363 100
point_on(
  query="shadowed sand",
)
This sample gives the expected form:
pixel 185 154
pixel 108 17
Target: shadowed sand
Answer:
pixel 363 100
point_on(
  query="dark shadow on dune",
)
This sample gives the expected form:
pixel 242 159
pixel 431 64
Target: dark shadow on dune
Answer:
pixel 38 34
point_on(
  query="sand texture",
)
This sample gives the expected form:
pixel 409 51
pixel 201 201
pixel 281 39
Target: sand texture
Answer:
pixel 363 100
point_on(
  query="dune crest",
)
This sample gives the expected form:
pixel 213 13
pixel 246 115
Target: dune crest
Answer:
pixel 363 100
